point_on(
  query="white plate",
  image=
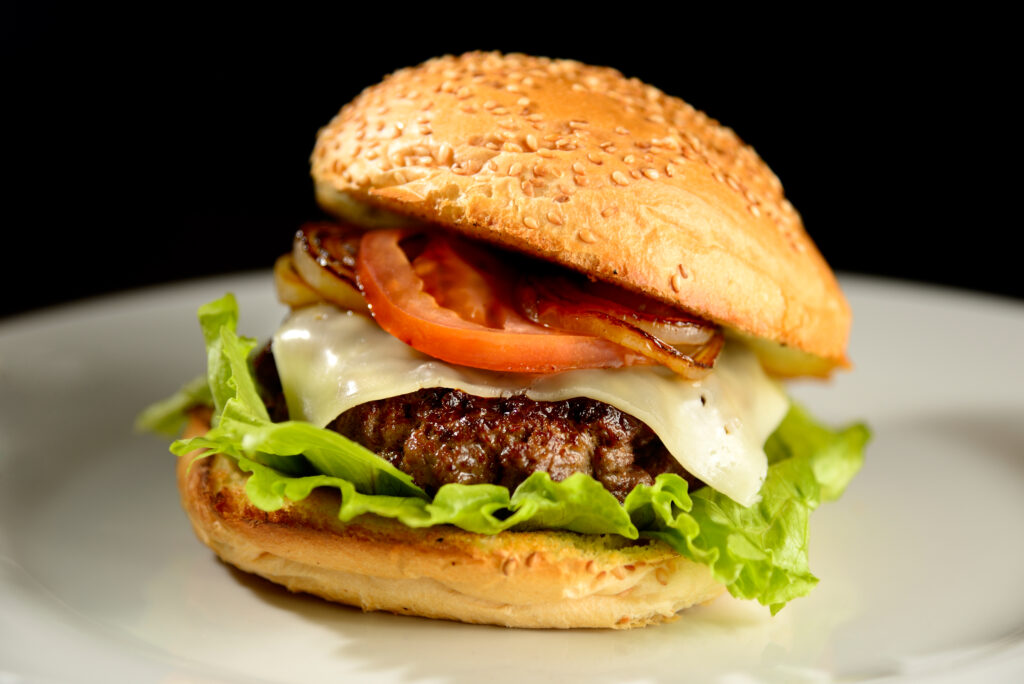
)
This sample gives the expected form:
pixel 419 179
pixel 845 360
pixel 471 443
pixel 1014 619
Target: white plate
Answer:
pixel 101 579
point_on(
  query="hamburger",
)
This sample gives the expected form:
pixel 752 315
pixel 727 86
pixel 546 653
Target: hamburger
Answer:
pixel 531 370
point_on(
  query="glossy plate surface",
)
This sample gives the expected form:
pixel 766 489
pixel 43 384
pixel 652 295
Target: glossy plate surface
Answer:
pixel 101 578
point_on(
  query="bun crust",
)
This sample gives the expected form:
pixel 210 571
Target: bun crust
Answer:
pixel 600 173
pixel 515 579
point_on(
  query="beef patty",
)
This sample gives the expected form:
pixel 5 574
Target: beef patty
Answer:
pixel 441 436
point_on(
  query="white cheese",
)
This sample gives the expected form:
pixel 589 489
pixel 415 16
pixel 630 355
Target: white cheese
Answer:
pixel 330 361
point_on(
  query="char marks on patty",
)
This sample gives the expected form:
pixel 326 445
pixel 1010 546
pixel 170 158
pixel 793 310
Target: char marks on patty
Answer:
pixel 442 436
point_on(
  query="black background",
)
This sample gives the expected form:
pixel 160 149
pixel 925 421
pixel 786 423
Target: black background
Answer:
pixel 147 148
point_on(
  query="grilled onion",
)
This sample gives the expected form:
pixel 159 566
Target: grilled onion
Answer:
pixel 323 255
pixel 291 288
pixel 557 302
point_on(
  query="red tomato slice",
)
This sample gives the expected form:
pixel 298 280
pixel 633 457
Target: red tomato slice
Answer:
pixel 457 311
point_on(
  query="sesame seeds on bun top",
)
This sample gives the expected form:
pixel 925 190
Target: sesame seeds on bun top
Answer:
pixel 607 175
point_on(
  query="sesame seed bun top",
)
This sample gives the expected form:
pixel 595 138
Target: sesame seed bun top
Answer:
pixel 604 174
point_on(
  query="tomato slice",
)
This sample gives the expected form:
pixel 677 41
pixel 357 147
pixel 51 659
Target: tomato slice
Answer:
pixel 449 303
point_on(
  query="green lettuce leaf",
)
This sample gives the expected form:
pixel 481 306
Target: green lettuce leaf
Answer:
pixel 758 552
pixel 167 417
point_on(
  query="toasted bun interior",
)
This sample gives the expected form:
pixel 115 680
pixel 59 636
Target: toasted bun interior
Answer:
pixel 582 166
pixel 516 579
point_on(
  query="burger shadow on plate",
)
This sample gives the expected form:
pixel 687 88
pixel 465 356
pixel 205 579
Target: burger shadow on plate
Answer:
pixel 725 632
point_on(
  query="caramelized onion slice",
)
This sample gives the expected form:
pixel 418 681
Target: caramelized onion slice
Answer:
pixel 558 303
pixel 666 323
pixel 292 290
pixel 323 255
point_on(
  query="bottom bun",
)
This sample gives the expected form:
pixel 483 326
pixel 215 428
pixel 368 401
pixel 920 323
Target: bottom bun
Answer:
pixel 546 579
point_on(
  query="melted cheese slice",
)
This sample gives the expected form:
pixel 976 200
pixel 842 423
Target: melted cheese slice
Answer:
pixel 330 361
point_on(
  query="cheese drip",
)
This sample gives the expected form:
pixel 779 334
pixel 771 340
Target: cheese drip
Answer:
pixel 330 361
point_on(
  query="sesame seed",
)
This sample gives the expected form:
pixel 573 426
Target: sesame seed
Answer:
pixel 511 147
pixel 621 130
pixel 587 236
pixel 580 180
pixel 755 210
pixel 578 167
pixel 608 212
pixel 620 178
pixel 594 159
pixel 649 173
pixel 531 142
pixel 629 159
pixel 530 222
pixel 677 282
pixel 523 101
pixel 670 170
pixel 444 154
pixel 556 218
pixel 515 169
pixel 463 93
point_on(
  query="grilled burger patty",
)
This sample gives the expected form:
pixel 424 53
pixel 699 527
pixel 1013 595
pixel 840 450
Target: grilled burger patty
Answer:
pixel 441 436
pixel 445 435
